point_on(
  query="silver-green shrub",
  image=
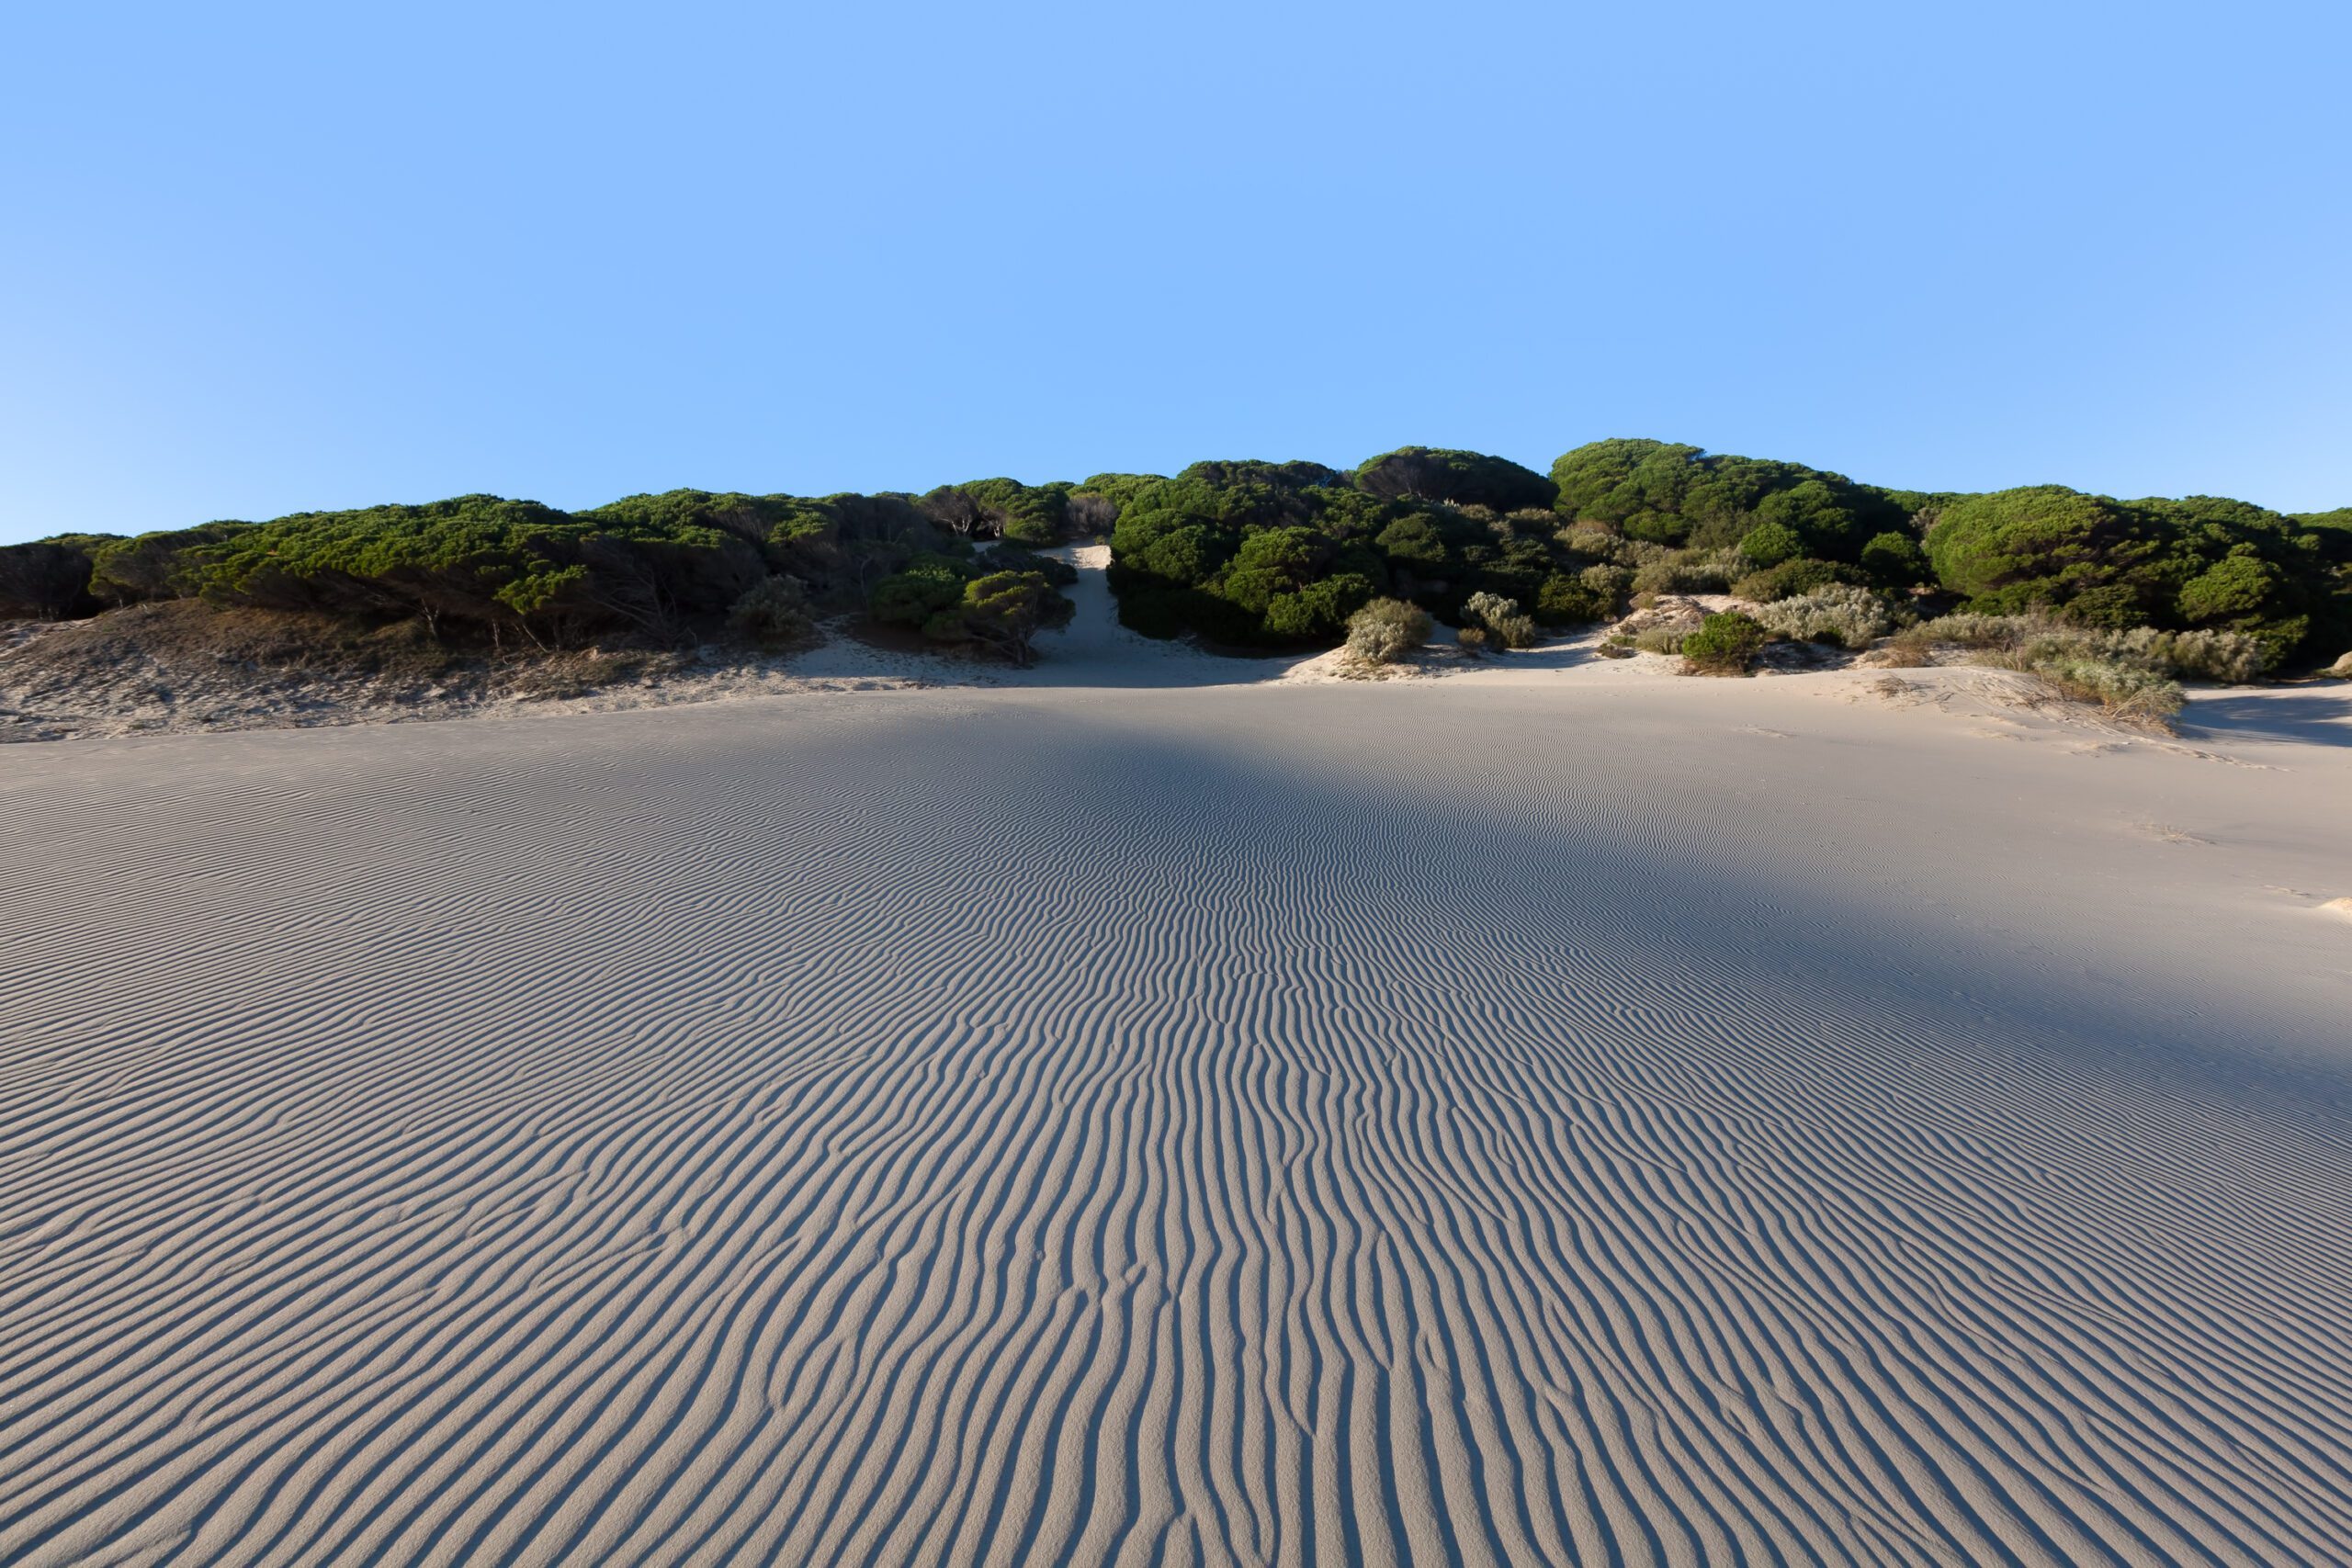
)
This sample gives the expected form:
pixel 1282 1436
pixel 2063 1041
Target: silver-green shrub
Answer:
pixel 1386 629
pixel 1842 613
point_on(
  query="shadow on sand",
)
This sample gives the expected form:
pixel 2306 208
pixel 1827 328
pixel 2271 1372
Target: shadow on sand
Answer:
pixel 2318 716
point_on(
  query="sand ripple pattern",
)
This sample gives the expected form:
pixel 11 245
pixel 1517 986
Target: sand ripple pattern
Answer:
pixel 962 1132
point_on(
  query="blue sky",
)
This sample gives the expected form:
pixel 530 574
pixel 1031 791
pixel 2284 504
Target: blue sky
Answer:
pixel 265 259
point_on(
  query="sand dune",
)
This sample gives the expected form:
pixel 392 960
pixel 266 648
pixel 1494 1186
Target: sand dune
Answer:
pixel 1466 1123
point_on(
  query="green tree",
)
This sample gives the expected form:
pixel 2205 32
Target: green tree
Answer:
pixel 1454 477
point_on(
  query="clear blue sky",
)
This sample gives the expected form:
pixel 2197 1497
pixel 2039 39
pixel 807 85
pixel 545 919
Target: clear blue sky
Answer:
pixel 267 259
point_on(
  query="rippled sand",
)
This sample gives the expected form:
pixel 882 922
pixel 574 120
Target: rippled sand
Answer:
pixel 1664 1122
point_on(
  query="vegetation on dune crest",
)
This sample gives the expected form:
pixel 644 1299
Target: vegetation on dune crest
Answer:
pixel 1267 554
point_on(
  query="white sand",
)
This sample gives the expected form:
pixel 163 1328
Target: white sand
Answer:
pixel 1549 1114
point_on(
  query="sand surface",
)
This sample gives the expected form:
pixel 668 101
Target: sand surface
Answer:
pixel 1138 1118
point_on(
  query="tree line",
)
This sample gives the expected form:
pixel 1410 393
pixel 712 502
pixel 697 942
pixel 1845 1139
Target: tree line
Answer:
pixel 1245 554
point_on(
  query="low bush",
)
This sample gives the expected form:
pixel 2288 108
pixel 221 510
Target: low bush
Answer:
pixel 1656 639
pixel 1472 640
pixel 1501 620
pixel 1386 629
pixel 2126 691
pixel 1564 601
pixel 1725 644
pixel 1791 579
pixel 772 614
pixel 1688 572
pixel 2233 658
pixel 1841 614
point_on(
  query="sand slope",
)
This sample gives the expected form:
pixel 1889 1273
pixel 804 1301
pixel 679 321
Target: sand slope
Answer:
pixel 1658 1124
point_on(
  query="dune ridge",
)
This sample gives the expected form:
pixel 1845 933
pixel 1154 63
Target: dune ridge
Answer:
pixel 1268 1125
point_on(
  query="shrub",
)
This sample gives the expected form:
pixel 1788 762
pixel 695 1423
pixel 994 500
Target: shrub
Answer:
pixel 930 584
pixel 1658 639
pixel 1790 579
pixel 1562 600
pixel 1769 544
pixel 1319 611
pixel 1472 640
pixel 1501 620
pixel 772 614
pixel 2017 640
pixel 1725 644
pixel 1841 614
pixel 1688 571
pixel 1002 611
pixel 2125 690
pixel 1515 631
pixel 2232 658
pixel 1386 629
pixel 1611 583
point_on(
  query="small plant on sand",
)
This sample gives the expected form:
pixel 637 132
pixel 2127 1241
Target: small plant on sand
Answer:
pixel 1500 619
pixel 1725 644
pixel 1472 640
pixel 1386 629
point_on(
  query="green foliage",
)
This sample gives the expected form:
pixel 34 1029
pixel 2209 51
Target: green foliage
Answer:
pixel 2200 561
pixel 1257 553
pixel 1769 544
pixel 1317 611
pixel 1791 578
pixel 927 585
pixel 1681 495
pixel 1296 475
pixel 773 613
pixel 1118 488
pixel 2044 545
pixel 489 563
pixel 1454 478
pixel 1002 611
pixel 1564 601
pixel 1725 644
pixel 973 604
pixel 2239 585
pixel 1895 560
pixel 1001 508
pixel 163 565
